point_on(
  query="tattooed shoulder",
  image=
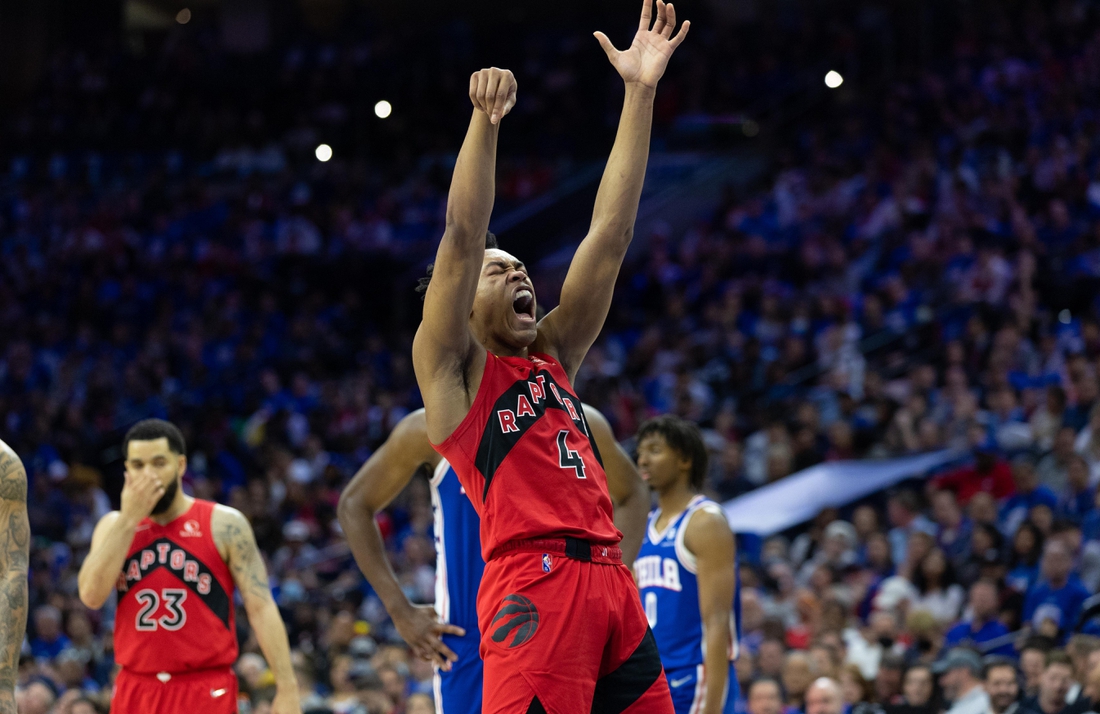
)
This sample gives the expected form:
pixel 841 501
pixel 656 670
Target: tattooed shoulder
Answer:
pixel 233 533
pixel 13 479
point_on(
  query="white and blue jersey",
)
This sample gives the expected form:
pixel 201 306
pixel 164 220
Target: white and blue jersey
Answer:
pixel 667 582
pixel 458 569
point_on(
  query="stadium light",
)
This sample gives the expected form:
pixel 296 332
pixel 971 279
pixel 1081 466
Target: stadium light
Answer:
pixel 183 16
pixel 833 79
pixel 1065 317
pixel 323 152
pixel 383 109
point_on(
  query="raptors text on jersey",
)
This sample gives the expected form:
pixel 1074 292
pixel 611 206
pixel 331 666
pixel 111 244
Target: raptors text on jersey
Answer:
pixel 527 459
pixel 175 598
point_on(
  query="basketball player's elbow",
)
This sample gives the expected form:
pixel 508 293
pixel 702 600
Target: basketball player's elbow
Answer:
pixel 351 506
pixel 92 596
pixel 615 235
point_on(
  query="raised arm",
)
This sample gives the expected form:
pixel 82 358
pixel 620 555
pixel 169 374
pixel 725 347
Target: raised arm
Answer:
pixel 237 544
pixel 569 330
pixel 112 537
pixel 378 481
pixel 14 554
pixel 709 539
pixel 444 351
pixel 628 491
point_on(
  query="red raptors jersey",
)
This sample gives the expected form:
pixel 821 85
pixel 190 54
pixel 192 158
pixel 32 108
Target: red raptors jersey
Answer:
pixel 175 598
pixel 526 458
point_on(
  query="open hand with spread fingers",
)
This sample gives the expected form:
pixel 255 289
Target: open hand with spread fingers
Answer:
pixel 493 91
pixel 645 60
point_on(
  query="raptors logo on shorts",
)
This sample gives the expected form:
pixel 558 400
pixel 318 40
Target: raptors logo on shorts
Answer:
pixel 518 614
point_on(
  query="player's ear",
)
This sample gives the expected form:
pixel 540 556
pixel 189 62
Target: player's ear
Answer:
pixel 182 464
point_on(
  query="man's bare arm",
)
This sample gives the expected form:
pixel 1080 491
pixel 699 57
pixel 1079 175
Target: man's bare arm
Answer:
pixel 568 331
pixel 709 538
pixel 14 557
pixel 237 544
pixel 444 351
pixel 628 491
pixel 378 481
pixel 112 537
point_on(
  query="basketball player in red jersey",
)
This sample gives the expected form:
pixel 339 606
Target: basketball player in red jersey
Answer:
pixel 563 629
pixel 175 561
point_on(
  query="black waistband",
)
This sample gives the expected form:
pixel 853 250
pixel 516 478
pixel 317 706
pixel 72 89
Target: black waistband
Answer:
pixel 578 549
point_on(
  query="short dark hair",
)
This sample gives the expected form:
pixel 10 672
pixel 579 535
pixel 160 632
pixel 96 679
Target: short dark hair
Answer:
pixel 764 680
pixel 1038 642
pixel 422 283
pixel 1057 657
pixel 153 429
pixel 682 436
pixel 993 662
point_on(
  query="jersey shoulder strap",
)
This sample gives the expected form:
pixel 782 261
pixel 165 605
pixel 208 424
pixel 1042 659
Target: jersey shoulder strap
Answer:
pixel 699 503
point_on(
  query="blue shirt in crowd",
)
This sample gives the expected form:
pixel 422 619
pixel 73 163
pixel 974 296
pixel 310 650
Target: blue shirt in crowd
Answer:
pixel 1062 605
pixel 965 634
pixel 1076 506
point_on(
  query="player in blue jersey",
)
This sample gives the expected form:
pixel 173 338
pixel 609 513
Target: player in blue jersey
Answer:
pixel 686 571
pixel 447 634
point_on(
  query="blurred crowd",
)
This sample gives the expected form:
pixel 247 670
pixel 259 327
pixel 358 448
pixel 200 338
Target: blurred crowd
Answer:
pixel 920 271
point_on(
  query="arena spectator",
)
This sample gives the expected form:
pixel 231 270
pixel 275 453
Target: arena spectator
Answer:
pixel 982 626
pixel 903 510
pixel 764 696
pixel 960 674
pixel 1000 681
pixel 798 675
pixel 889 680
pixel 1033 657
pixel 1054 686
pixel 939 591
pixel 918 690
pixel 1054 602
pixel 1029 491
pixel 824 696
pixel 989 474
pixel 50 640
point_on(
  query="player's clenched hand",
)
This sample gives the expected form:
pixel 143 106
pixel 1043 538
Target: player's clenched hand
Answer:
pixel 421 629
pixel 140 493
pixel 493 91
pixel 645 60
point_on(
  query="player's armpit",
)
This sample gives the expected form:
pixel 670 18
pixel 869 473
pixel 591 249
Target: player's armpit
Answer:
pixel 236 542
pixel 14 557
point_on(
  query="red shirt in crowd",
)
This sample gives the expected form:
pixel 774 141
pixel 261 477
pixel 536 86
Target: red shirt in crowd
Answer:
pixel 967 481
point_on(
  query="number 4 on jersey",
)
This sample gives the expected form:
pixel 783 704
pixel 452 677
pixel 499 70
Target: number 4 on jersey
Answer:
pixel 568 458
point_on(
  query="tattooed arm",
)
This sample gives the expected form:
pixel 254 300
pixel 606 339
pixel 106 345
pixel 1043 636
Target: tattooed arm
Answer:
pixel 14 555
pixel 237 545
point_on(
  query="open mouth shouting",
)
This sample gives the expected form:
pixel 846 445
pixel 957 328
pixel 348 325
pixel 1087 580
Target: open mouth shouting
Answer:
pixel 524 305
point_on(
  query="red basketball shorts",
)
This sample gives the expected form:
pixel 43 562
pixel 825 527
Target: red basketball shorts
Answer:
pixel 210 691
pixel 566 634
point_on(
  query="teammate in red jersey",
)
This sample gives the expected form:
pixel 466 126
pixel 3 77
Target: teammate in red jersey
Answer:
pixel 175 562
pixel 562 626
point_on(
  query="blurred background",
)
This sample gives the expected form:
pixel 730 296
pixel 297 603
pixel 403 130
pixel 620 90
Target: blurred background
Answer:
pixel 870 231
